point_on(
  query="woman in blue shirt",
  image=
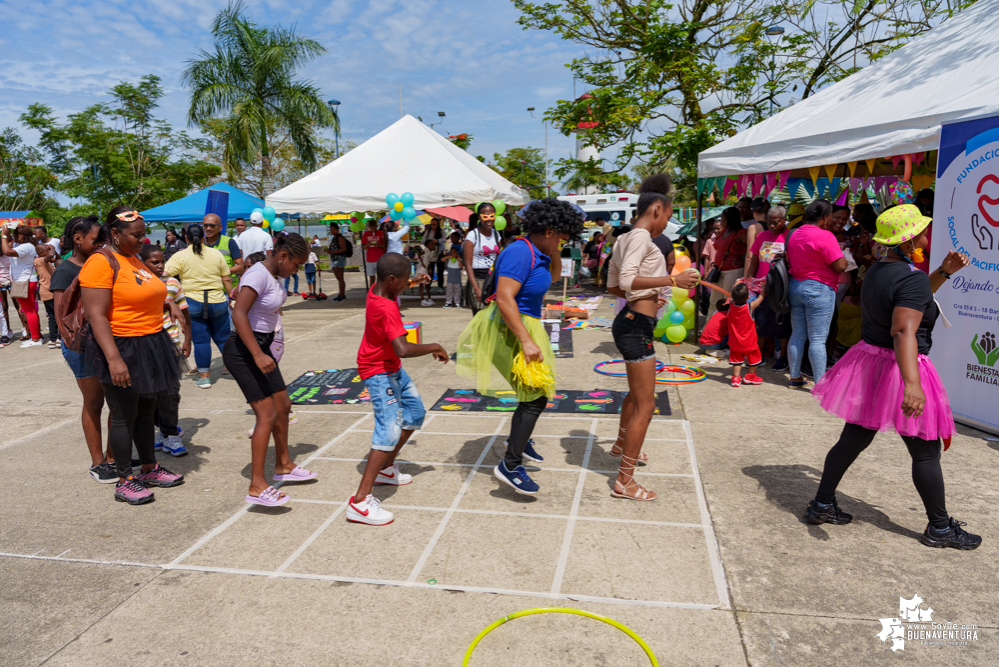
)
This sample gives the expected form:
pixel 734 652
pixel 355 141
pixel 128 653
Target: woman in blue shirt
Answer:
pixel 511 324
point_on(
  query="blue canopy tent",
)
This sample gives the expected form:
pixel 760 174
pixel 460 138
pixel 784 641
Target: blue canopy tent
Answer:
pixel 192 207
pixel 13 215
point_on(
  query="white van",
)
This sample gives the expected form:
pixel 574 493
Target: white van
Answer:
pixel 617 209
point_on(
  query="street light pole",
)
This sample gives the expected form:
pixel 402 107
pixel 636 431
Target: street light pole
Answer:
pixel 334 107
pixel 778 32
pixel 548 189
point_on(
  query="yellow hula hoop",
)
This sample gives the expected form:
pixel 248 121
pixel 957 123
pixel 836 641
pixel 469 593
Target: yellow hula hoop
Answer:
pixel 560 610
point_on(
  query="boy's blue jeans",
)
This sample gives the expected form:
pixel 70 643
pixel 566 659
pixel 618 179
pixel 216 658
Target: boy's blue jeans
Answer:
pixel 288 279
pixel 209 322
pixel 397 406
pixel 812 305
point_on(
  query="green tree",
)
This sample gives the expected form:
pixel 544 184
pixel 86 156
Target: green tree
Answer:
pixel 118 153
pixel 524 167
pixel 286 166
pixel 249 82
pixel 24 177
pixel 831 39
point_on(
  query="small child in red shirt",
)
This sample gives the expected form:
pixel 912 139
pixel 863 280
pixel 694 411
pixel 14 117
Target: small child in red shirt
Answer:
pixel 714 336
pixel 742 341
pixel 397 405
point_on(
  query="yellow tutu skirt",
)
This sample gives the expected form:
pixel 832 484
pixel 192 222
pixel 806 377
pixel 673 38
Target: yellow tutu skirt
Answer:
pixel 487 349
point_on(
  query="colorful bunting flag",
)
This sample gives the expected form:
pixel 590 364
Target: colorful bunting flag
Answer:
pixel 814 173
pixel 852 166
pixel 870 165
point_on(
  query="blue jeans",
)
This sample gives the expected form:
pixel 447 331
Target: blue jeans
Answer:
pixel 397 406
pixel 209 322
pixel 288 280
pixel 812 305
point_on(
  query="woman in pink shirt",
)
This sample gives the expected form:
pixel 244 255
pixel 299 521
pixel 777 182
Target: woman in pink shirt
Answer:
pixel 816 263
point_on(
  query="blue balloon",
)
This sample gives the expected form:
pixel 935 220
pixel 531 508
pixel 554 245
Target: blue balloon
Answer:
pixel 409 213
pixel 277 225
pixel 390 200
pixel 676 317
pixel 269 213
pixel 395 215
pixel 407 199
pixel 257 210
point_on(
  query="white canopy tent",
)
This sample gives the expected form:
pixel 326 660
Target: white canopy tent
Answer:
pixel 405 157
pixel 893 107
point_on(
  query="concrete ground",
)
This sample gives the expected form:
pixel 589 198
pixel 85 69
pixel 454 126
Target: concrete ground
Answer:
pixel 720 570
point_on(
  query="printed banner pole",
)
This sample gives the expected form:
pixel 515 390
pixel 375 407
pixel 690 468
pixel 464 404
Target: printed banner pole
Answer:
pixel 966 219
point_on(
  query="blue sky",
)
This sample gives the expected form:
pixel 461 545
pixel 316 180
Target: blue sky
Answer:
pixel 468 59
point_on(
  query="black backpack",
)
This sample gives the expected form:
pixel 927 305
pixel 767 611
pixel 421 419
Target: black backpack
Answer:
pixel 779 281
pixel 348 248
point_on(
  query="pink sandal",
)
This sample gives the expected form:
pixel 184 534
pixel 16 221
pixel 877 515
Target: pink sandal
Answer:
pixel 270 497
pixel 298 474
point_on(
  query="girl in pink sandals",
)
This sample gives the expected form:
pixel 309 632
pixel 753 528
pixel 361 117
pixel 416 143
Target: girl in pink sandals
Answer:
pixel 248 356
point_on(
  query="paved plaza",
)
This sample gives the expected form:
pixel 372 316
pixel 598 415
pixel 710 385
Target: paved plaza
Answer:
pixel 719 570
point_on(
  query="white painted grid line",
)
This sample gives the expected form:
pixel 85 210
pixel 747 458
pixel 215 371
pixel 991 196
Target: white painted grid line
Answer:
pixel 454 504
pixel 446 587
pixel 40 432
pixel 490 465
pixel 535 435
pixel 81 560
pixel 312 538
pixel 235 517
pixel 563 556
pixel 714 556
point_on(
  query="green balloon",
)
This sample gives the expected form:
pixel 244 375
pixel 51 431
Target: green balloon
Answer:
pixel 676 333
pixel 670 308
pixel 687 307
pixel 663 323
pixel 688 321
pixel 500 223
pixel 659 333
pixel 499 205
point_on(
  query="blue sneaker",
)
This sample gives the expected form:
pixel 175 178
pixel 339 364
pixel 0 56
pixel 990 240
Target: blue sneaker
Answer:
pixel 517 480
pixel 158 443
pixel 174 446
pixel 530 455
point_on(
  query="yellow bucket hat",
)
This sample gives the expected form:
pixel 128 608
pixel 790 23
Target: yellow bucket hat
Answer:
pixel 900 224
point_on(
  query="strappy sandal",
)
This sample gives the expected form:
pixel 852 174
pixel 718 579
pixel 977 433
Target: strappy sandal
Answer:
pixel 642 495
pixel 643 457
pixel 269 497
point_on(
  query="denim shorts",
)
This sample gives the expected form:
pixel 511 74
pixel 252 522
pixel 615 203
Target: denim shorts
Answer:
pixel 76 363
pixel 397 406
pixel 338 262
pixel 632 333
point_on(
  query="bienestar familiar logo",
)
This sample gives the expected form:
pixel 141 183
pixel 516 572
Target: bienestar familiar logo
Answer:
pixel 987 354
pixel 916 624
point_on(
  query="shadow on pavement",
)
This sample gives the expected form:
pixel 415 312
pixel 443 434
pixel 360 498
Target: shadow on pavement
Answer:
pixel 790 487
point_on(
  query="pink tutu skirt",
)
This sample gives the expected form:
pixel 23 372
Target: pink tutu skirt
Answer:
pixel 865 387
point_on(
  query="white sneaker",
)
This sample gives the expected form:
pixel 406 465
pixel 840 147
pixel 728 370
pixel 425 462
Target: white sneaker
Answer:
pixel 391 475
pixel 292 418
pixel 370 512
pixel 427 302
pixel 158 441
pixel 31 343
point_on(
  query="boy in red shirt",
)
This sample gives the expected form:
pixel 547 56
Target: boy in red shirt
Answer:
pixel 742 339
pixel 398 407
pixel 714 336
pixel 373 241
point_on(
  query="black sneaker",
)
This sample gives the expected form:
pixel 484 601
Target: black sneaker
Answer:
pixel 817 513
pixel 104 473
pixel 952 536
pixel 781 365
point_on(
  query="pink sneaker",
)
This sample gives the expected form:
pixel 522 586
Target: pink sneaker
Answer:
pixel 132 492
pixel 160 476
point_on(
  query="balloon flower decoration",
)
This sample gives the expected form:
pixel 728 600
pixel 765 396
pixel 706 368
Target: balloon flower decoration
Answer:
pixel 500 223
pixel 401 207
pixel 356 221
pixel 266 217
pixel 679 317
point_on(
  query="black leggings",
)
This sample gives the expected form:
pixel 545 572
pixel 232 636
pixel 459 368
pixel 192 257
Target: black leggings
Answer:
pixel 524 419
pixel 166 414
pixel 131 419
pixel 926 472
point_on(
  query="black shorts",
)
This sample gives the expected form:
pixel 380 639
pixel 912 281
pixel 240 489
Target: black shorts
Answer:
pixel 632 333
pixel 253 382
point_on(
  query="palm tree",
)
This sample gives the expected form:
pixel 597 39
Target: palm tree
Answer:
pixel 250 81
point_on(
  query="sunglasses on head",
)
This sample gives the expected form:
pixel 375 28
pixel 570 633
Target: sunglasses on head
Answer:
pixel 129 216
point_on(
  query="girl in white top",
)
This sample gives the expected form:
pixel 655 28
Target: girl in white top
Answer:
pixel 480 249
pixel 20 247
pixel 637 272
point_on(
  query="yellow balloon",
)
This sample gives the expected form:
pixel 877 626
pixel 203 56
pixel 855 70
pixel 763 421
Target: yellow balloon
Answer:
pixel 398 206
pixel 679 296
pixel 680 250
pixel 266 224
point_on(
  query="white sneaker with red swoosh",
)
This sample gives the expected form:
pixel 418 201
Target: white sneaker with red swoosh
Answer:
pixel 370 512
pixel 391 475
